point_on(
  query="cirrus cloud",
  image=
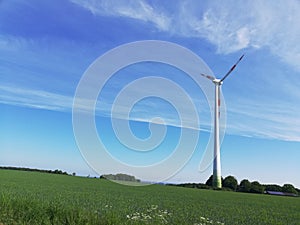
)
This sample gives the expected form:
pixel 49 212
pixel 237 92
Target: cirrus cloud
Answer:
pixel 230 27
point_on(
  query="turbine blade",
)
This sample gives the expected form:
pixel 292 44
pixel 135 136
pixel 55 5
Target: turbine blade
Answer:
pixel 232 68
pixel 207 76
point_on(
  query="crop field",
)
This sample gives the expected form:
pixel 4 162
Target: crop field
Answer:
pixel 38 198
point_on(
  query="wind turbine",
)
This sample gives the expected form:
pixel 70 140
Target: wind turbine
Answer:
pixel 217 182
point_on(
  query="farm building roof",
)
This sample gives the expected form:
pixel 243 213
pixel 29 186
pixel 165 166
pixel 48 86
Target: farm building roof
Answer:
pixel 280 193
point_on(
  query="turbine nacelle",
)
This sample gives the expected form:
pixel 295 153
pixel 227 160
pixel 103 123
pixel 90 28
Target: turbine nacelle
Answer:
pixel 217 81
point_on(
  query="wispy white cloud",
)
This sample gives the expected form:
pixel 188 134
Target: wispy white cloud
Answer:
pixel 34 98
pixel 8 42
pixel 265 120
pixel 140 10
pixel 237 25
pixel 45 100
pixel 230 26
pixel 39 99
pixel 246 119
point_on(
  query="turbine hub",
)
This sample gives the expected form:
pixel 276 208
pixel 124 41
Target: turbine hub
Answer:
pixel 217 81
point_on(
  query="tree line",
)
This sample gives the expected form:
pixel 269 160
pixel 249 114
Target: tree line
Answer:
pixel 34 170
pixel 119 177
pixel 230 183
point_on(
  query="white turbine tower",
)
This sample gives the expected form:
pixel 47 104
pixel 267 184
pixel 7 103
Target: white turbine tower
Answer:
pixel 217 182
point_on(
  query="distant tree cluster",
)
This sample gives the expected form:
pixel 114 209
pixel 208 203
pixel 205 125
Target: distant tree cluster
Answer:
pixel 119 177
pixel 33 170
pixel 230 183
pixel 192 185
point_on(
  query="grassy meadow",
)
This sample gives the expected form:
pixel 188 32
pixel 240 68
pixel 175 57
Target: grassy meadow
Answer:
pixel 38 198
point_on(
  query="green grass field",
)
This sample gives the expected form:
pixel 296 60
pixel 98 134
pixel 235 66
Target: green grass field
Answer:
pixel 39 198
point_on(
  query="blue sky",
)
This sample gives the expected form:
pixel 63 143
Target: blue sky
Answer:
pixel 46 46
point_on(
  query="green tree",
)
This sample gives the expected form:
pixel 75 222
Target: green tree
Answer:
pixel 256 187
pixel 288 188
pixel 273 187
pixel 245 186
pixel 209 181
pixel 230 182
